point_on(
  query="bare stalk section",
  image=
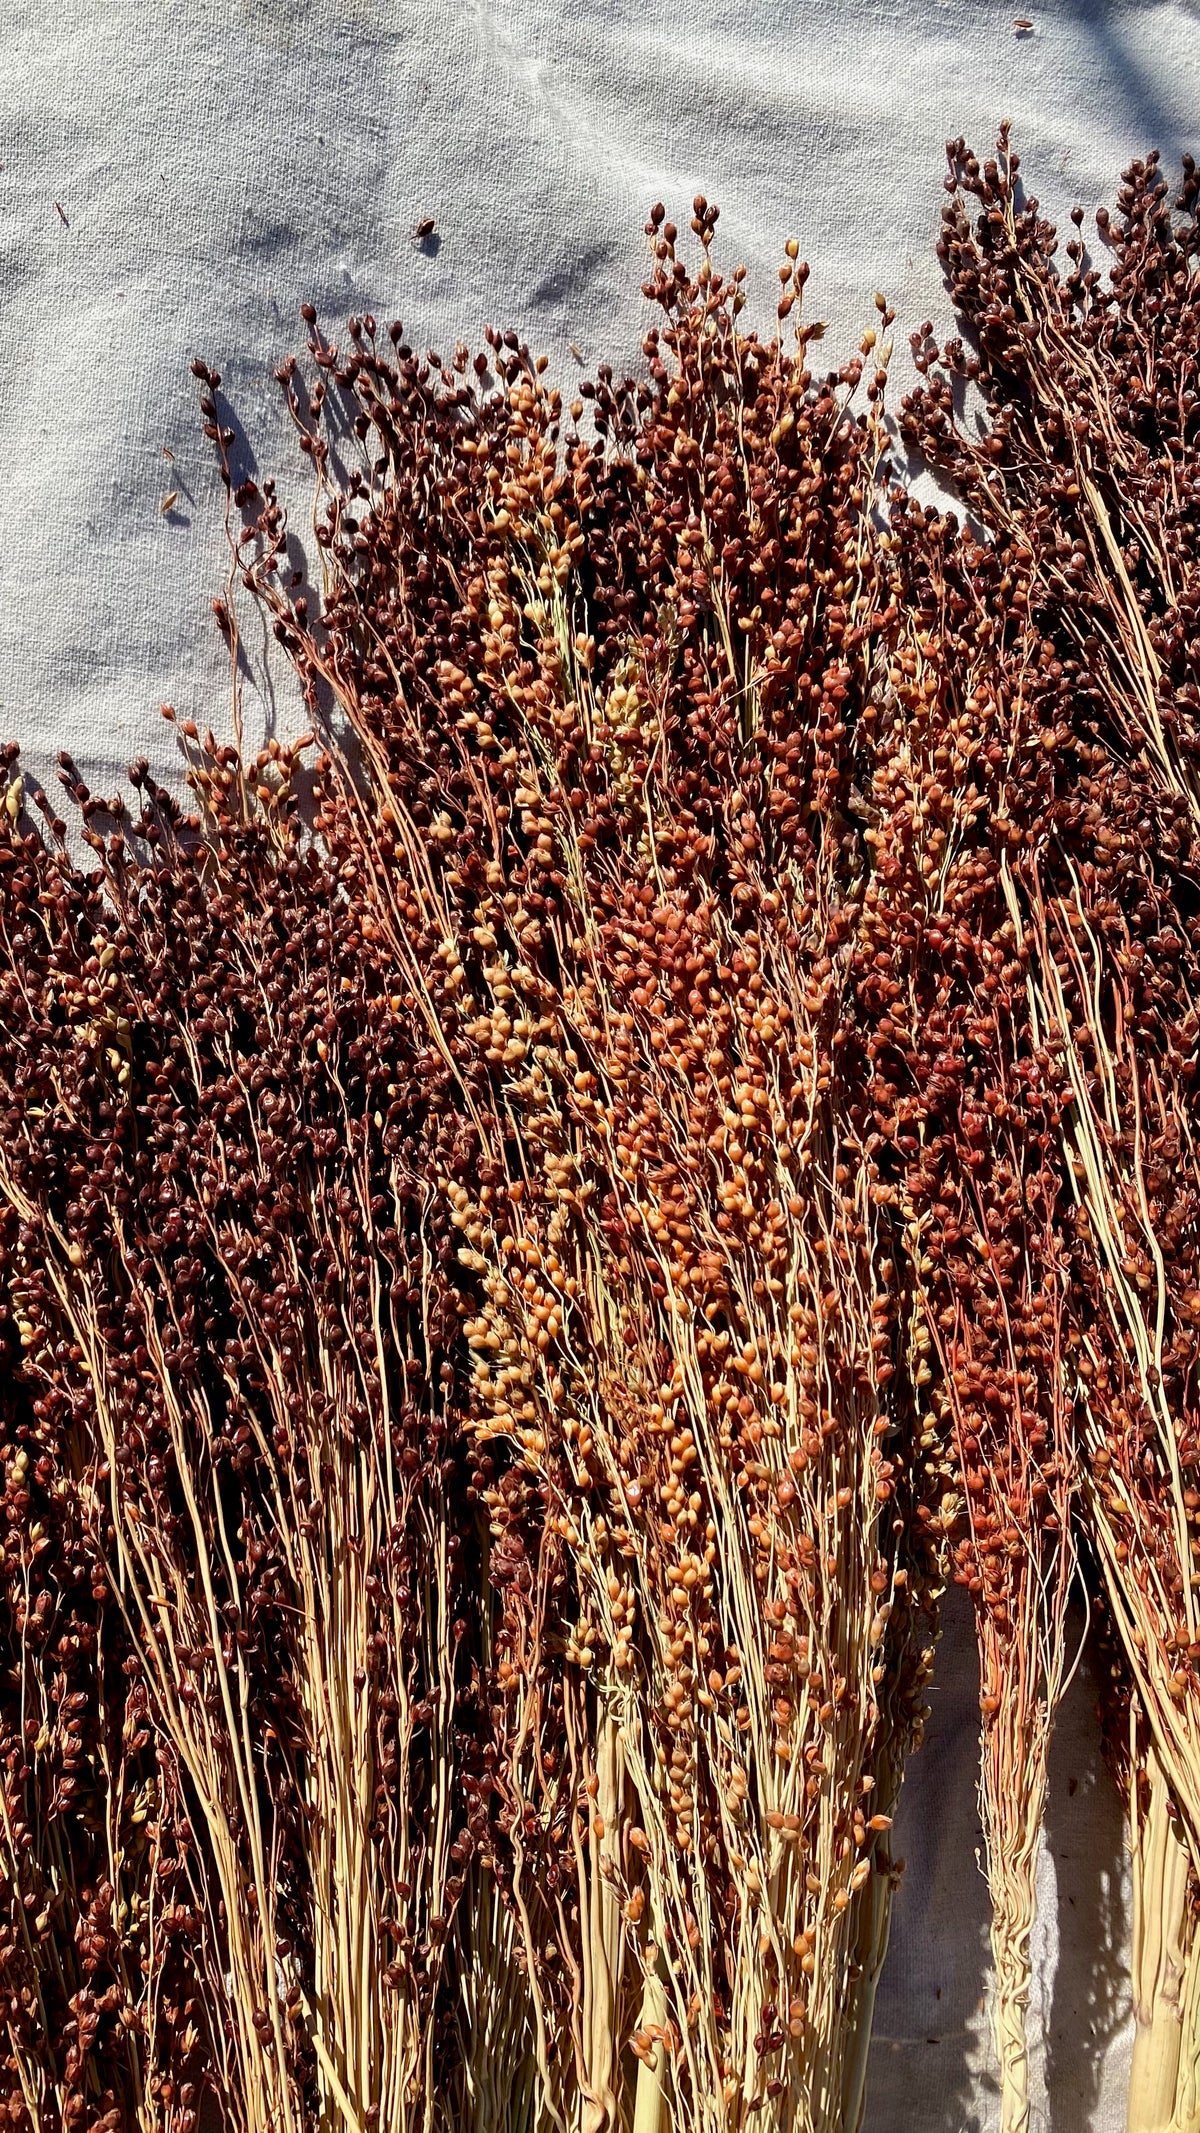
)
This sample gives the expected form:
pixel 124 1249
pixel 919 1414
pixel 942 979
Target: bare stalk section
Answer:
pixel 961 1130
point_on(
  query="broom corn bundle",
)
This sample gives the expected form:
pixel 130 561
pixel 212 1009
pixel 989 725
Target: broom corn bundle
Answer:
pixel 961 1116
pixel 1086 475
pixel 240 1400
pixel 680 1363
pixel 519 1287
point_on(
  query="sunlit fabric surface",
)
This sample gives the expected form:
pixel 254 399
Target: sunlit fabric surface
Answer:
pixel 176 177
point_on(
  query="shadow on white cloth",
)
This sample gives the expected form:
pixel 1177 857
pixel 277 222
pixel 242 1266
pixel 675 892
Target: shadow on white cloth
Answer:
pixel 932 2067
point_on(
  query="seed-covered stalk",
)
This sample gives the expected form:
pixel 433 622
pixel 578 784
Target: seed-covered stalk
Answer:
pixel 651 1440
pixel 264 1502
pixel 170 1604
pixel 1130 1141
pixel 1090 444
pixel 79 1790
pixel 962 1109
pixel 607 762
pixel 1080 472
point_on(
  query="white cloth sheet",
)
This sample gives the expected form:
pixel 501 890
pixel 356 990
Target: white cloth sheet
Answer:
pixel 214 162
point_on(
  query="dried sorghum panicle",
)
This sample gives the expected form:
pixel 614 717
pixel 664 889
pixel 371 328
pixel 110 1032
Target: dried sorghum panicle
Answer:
pixel 962 1106
pixel 95 1960
pixel 1086 467
pixel 1086 475
pixel 607 693
pixel 228 1292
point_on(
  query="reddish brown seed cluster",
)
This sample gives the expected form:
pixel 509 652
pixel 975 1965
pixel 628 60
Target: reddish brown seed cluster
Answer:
pixel 609 692
pixel 961 1116
pixel 231 1465
pixel 1085 477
